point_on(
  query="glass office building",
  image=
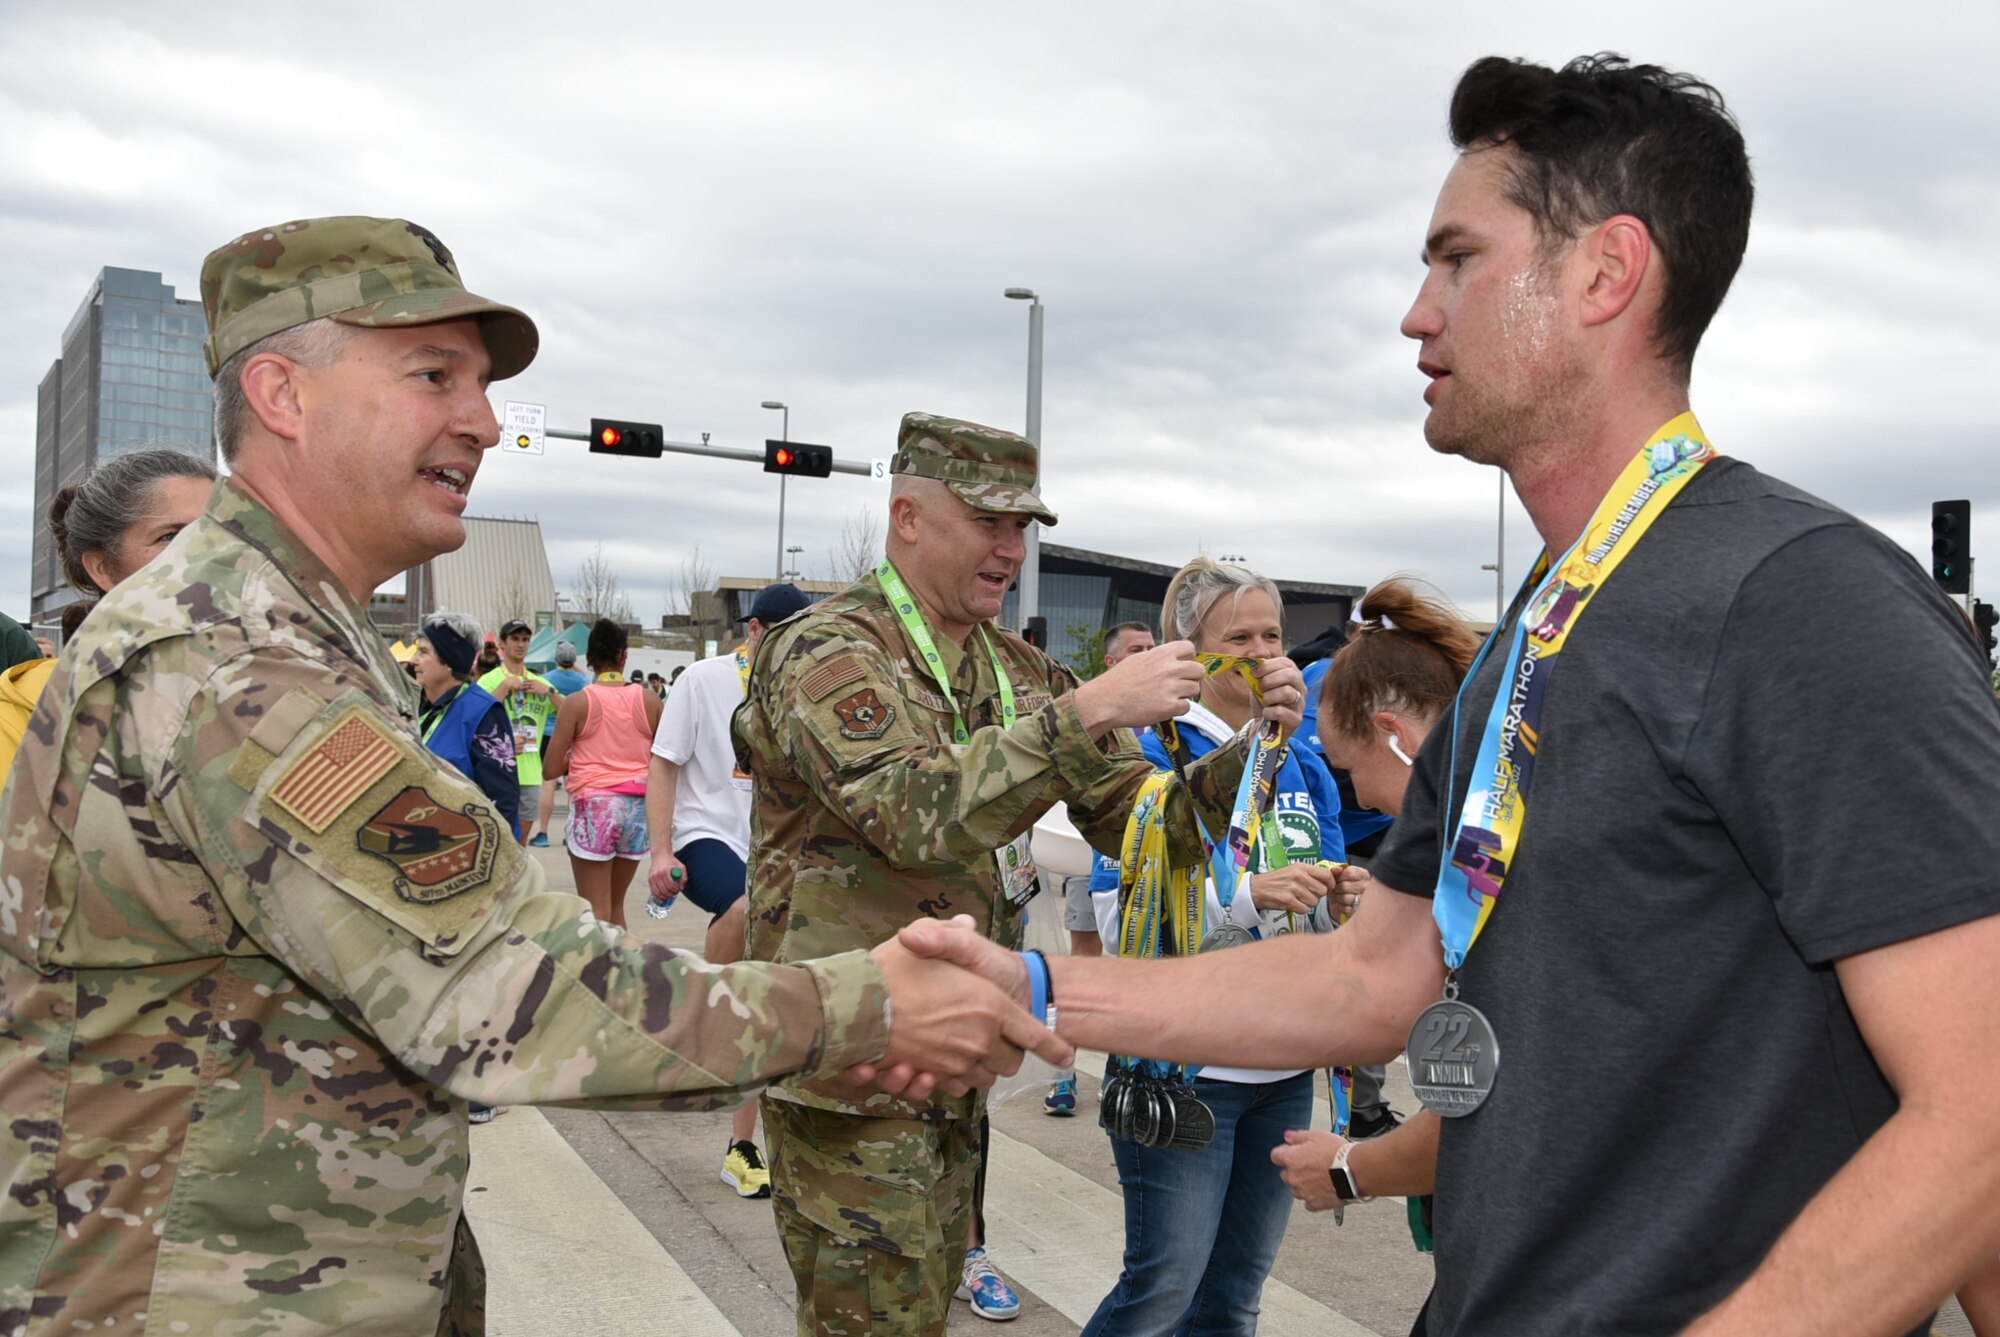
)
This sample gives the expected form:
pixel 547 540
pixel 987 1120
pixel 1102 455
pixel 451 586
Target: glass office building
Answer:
pixel 1095 590
pixel 131 376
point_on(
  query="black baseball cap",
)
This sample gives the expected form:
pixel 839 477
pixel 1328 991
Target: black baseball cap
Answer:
pixel 513 626
pixel 775 603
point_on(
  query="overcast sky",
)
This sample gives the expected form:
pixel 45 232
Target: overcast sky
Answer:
pixel 706 206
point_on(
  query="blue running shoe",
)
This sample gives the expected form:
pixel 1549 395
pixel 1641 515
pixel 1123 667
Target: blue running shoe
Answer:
pixel 991 1297
pixel 540 840
pixel 1060 1103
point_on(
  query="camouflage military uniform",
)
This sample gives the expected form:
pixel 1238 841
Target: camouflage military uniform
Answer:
pixel 258 947
pixel 867 816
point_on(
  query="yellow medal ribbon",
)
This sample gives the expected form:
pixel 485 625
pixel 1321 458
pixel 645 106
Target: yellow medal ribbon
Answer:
pixel 1478 855
pixel 1151 888
pixel 1217 665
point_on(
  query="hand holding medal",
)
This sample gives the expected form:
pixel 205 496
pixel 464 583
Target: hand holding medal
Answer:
pixel 1282 689
pixel 1155 684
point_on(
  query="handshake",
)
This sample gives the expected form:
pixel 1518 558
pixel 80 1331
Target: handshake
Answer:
pixel 958 1013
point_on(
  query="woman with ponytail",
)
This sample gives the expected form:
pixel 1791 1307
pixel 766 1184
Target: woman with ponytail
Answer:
pixel 124 512
pixel 1389 686
pixel 106 527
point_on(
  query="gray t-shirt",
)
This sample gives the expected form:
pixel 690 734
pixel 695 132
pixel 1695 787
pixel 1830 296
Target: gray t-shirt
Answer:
pixel 1769 743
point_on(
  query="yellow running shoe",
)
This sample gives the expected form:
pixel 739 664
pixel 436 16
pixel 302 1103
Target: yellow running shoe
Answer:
pixel 743 1170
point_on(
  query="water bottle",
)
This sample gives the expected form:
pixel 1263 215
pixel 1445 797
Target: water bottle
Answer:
pixel 660 909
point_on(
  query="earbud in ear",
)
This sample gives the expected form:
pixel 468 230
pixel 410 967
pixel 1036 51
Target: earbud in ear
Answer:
pixel 1396 746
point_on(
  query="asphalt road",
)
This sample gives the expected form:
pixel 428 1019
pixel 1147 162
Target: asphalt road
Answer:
pixel 613 1224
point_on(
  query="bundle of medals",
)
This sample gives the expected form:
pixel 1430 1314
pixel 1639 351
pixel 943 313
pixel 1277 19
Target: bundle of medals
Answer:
pixel 1164 912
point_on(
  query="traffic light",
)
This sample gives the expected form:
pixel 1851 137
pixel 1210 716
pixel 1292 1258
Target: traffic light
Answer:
pixel 797 458
pixel 1984 616
pixel 1036 633
pixel 608 436
pixel 1951 546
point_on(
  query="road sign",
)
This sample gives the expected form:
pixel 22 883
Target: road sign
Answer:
pixel 879 467
pixel 522 428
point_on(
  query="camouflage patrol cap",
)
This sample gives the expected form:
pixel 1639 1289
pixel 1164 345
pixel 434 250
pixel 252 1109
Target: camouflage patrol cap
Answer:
pixel 376 273
pixel 986 467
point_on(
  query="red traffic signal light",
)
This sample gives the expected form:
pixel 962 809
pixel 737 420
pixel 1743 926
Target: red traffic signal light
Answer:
pixel 610 436
pixel 798 458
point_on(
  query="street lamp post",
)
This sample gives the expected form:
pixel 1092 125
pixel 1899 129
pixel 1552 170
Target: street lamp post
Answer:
pixel 1498 566
pixel 1031 567
pixel 784 433
pixel 794 573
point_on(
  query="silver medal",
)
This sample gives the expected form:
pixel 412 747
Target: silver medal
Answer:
pixel 1194 1121
pixel 1225 936
pixel 1145 1122
pixel 1453 1057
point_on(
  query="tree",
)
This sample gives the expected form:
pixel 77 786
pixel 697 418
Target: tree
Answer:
pixel 860 547
pixel 691 593
pixel 1088 657
pixel 512 601
pixel 597 593
pixel 695 577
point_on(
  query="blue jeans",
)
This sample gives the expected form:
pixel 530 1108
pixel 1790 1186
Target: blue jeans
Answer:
pixel 1202 1228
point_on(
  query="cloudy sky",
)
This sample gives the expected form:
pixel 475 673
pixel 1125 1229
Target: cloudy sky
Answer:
pixel 706 206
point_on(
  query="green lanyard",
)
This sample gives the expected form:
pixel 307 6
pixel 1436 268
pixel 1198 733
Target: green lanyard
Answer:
pixel 437 716
pixel 913 623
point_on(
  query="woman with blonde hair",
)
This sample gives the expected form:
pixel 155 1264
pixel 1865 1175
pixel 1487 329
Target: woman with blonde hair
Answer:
pixel 1202 1227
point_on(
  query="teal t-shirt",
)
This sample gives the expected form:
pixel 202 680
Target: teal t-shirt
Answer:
pixel 529 715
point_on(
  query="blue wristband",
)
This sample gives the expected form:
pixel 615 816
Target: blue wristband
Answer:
pixel 1038 984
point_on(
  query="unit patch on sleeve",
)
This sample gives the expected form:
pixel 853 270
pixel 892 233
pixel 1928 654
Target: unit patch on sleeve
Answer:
pixel 864 716
pixel 437 851
pixel 353 755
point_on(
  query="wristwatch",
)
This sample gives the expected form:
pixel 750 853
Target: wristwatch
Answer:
pixel 1344 1187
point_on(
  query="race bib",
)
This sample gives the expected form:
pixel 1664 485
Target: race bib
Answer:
pixel 1018 879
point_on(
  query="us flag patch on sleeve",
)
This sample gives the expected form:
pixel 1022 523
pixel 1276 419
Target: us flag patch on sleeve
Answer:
pixel 337 770
pixel 819 684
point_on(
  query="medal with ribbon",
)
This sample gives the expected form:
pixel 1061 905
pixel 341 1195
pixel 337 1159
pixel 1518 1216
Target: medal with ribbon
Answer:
pixel 1161 911
pixel 1229 859
pixel 1454 1055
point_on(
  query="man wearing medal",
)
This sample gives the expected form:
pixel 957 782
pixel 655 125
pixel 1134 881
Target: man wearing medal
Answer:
pixel 1715 1059
pixel 903 747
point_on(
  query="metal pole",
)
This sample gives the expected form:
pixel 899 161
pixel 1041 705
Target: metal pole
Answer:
pixel 1031 567
pixel 785 433
pixel 1500 555
pixel 859 468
